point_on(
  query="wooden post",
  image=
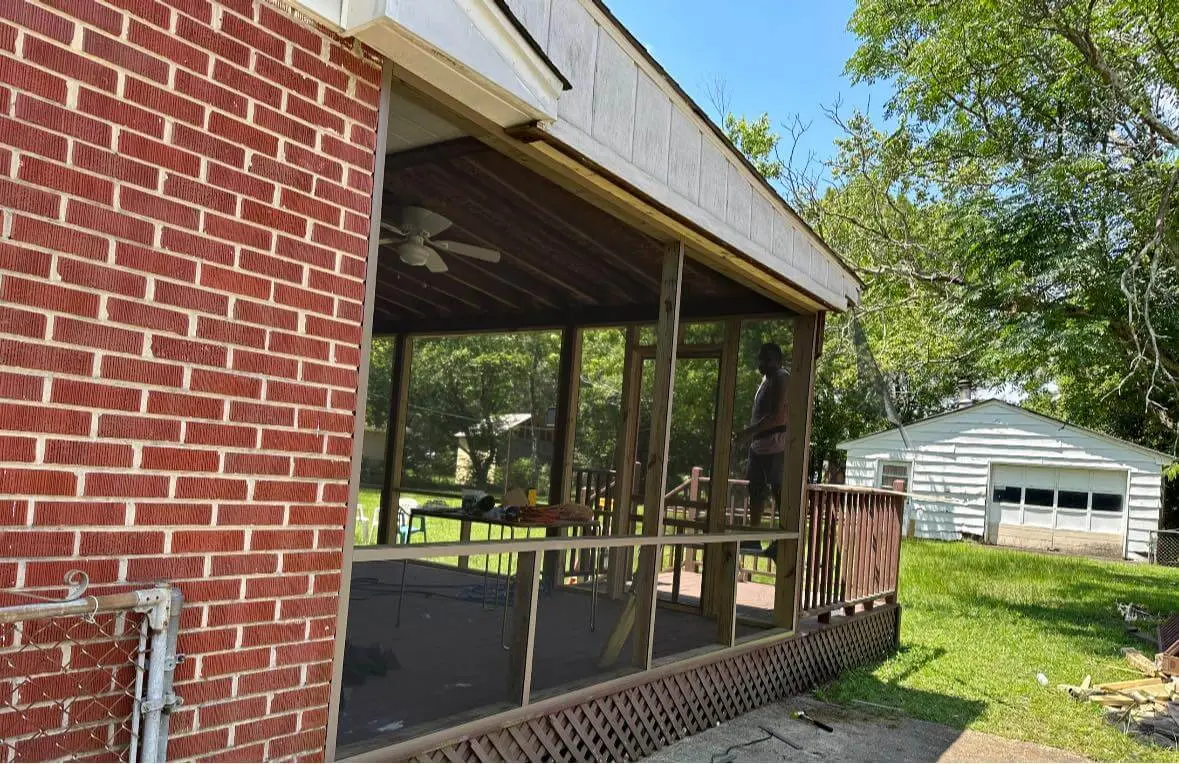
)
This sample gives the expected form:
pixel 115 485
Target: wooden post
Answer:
pixel 624 465
pixel 561 469
pixel 523 633
pixel 395 437
pixel 666 332
pixel 808 331
pixel 729 556
pixel 722 455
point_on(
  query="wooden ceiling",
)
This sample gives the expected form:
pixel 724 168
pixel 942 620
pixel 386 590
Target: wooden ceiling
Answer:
pixel 564 261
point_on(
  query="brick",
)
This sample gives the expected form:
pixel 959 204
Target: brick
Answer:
pixel 280 172
pixel 220 714
pixel 341 56
pixel 48 296
pixel 337 469
pixel 208 434
pixel 174 514
pixel 363 137
pixel 347 151
pixel 124 56
pixel 234 385
pixel 212 41
pixel 333 330
pixel 148 10
pixel 325 421
pixel 114 110
pixel 307 652
pixel 280 123
pixel 361 181
pixel 352 266
pixel 85 334
pixel 100 277
pixel 368 94
pixel 283 490
pixel 231 230
pixel 88 453
pixel 289 79
pixel 123 484
pixel 340 445
pixel 264 363
pixel 351 311
pixel 33 139
pixel 245 82
pixel 287 28
pixel 22 322
pixel 294 392
pixel 239 612
pixel 168 46
pixel 303 299
pixel 348 355
pixel 253 36
pixel 243 133
pixel 240 183
pixel 257 464
pixel 91 12
pixel 141 371
pixel 208 92
pixel 252 752
pixel 187 406
pixel 268 315
pixel 273 633
pixel 314 114
pixel 20 196
pixel 138 428
pixel 342 399
pixel 306 205
pixel 24 543
pixel 209 488
pixel 336 194
pixel 24 260
pixel 329 375
pixel 159 153
pixel 66 180
pixel 261 413
pixel 153 206
pixel 285 440
pixel 178 460
pixel 14 449
pixel 115 166
pixel 39 20
pixel 299 345
pixel 192 298
pixel 316 163
pixel 270 217
pixel 238 565
pixel 152 261
pixel 136 542
pixel 146 316
pixel 230 332
pixel 236 282
pixel 117 224
pixel 350 107
pixel 185 747
pixel 58 239
pixel 270 727
pixel 21 76
pixel 70 64
pixel 200 10
pixel 356 246
pixel 157 99
pixel 166 568
pixel 21 418
pixel 197 246
pixel 197 193
pixel 188 351
pixel 68 513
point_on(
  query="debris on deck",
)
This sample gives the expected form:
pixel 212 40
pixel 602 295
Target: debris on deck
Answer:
pixel 1147 707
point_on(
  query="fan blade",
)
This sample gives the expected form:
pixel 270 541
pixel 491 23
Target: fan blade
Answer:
pixel 435 264
pixel 423 221
pixel 467 250
pixel 393 228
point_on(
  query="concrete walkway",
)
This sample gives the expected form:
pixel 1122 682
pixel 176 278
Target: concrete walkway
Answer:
pixel 861 734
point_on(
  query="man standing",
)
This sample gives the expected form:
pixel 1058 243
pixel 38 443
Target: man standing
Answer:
pixel 766 435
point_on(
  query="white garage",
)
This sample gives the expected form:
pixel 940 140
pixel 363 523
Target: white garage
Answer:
pixel 1009 476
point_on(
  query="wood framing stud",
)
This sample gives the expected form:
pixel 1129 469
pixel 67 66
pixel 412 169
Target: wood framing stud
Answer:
pixel 523 627
pixel 395 439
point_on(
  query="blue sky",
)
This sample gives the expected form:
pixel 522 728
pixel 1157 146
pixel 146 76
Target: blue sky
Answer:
pixel 784 57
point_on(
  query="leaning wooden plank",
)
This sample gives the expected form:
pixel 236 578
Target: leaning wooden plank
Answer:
pixel 1128 684
pixel 1113 699
pixel 618 636
pixel 1140 661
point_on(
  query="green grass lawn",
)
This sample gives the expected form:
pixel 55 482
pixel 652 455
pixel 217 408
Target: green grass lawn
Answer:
pixel 979 622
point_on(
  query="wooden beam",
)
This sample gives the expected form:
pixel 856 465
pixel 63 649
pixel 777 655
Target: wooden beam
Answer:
pixel 561 468
pixel 624 465
pixel 666 335
pixel 726 593
pixel 722 455
pixel 523 628
pixel 435 153
pixel 395 437
pixel 800 391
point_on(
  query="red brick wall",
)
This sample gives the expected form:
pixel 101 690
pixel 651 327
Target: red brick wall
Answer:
pixel 185 190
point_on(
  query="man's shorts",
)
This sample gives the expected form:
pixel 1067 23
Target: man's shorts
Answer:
pixel 764 474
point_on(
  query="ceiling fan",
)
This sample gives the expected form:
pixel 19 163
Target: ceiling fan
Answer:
pixel 415 244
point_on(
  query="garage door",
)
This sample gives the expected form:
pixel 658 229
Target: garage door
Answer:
pixel 1065 499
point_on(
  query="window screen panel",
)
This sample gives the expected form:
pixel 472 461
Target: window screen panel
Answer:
pixel 893 472
pixel 1072 499
pixel 1008 494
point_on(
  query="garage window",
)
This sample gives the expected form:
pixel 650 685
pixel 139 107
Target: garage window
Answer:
pixel 890 472
pixel 1038 497
pixel 1107 502
pixel 1008 494
pixel 1072 499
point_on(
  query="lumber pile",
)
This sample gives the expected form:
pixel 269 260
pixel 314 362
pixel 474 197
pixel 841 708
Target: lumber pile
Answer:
pixel 1148 706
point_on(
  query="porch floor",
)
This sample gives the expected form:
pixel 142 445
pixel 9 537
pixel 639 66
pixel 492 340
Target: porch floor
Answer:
pixel 446 658
pixel 754 600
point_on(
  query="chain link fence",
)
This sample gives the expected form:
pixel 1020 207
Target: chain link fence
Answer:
pixel 1164 547
pixel 87 677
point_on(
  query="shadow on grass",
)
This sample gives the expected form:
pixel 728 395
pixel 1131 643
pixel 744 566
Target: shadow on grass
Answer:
pixel 861 688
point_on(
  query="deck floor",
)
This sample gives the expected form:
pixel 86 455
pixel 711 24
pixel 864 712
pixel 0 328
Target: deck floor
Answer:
pixel 447 657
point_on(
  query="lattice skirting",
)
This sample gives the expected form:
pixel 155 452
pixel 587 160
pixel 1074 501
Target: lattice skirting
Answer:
pixel 636 722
